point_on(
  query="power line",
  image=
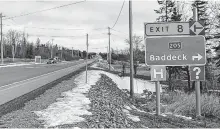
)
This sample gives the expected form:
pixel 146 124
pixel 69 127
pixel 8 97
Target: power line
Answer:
pixel 45 10
pixel 53 28
pixel 55 36
pixel 119 31
pixel 119 14
pixel 99 29
pixel 59 36
pixel 119 36
pixel 56 28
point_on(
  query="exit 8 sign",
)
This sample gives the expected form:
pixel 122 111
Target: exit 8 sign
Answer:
pixel 174 28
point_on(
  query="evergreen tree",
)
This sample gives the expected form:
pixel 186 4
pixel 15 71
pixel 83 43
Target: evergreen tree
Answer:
pixel 201 6
pixel 169 12
pixel 165 11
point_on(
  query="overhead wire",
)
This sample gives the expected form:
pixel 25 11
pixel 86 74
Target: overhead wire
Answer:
pixel 119 14
pixel 119 36
pixel 61 36
pixel 54 36
pixel 53 28
pixel 119 31
pixel 56 28
pixel 44 10
pixel 11 18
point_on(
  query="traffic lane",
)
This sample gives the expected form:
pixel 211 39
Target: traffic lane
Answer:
pixel 14 90
pixel 20 73
pixel 15 74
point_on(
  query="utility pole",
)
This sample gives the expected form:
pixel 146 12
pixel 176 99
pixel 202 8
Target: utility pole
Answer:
pixel 72 51
pixel 107 53
pixel 2 58
pixel 87 44
pixel 52 50
pixel 61 53
pixel 78 53
pixel 131 51
pixel 109 49
pixel 13 49
pixel 24 49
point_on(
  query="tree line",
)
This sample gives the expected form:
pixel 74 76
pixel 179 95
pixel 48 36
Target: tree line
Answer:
pixel 15 44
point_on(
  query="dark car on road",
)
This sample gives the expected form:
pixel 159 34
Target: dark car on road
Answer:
pixel 51 61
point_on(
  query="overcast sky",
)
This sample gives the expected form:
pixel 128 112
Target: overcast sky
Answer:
pixel 87 16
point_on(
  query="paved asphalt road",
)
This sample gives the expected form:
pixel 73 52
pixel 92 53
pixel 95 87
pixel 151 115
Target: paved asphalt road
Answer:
pixel 10 75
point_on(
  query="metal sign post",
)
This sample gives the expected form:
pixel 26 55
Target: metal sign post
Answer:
pixel 158 73
pixel 198 103
pixel 157 97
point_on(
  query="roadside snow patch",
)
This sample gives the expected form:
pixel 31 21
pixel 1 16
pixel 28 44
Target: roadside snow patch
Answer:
pixel 13 65
pixel 180 116
pixel 128 108
pixel 132 117
pixel 137 109
pixel 95 66
pixel 124 83
pixel 72 104
pixel 184 117
pixel 101 65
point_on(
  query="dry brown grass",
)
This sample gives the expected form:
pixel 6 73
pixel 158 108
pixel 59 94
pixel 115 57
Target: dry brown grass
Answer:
pixel 185 104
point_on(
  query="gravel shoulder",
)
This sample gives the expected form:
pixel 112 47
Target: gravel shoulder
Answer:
pixel 25 117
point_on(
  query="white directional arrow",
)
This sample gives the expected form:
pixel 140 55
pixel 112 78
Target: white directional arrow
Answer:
pixel 197 28
pixel 199 57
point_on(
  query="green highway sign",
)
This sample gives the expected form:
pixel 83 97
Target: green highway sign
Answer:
pixel 175 50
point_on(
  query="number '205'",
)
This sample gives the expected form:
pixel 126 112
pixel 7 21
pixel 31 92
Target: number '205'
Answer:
pixel 175 45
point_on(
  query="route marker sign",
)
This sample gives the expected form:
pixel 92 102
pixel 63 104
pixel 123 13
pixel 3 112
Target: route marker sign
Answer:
pixel 174 28
pixel 197 73
pixel 175 50
pixel 158 73
pixel 197 28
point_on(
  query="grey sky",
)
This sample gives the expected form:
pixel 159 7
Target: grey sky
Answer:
pixel 88 15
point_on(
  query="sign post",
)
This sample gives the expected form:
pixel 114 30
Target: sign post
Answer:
pixel 198 103
pixel 157 97
pixel 158 73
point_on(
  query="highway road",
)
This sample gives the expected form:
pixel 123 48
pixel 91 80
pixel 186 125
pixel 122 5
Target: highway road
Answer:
pixel 20 80
pixel 9 75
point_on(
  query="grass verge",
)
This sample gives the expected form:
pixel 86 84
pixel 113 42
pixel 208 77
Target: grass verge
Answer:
pixel 185 104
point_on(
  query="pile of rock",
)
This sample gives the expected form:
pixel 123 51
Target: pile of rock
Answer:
pixel 107 104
